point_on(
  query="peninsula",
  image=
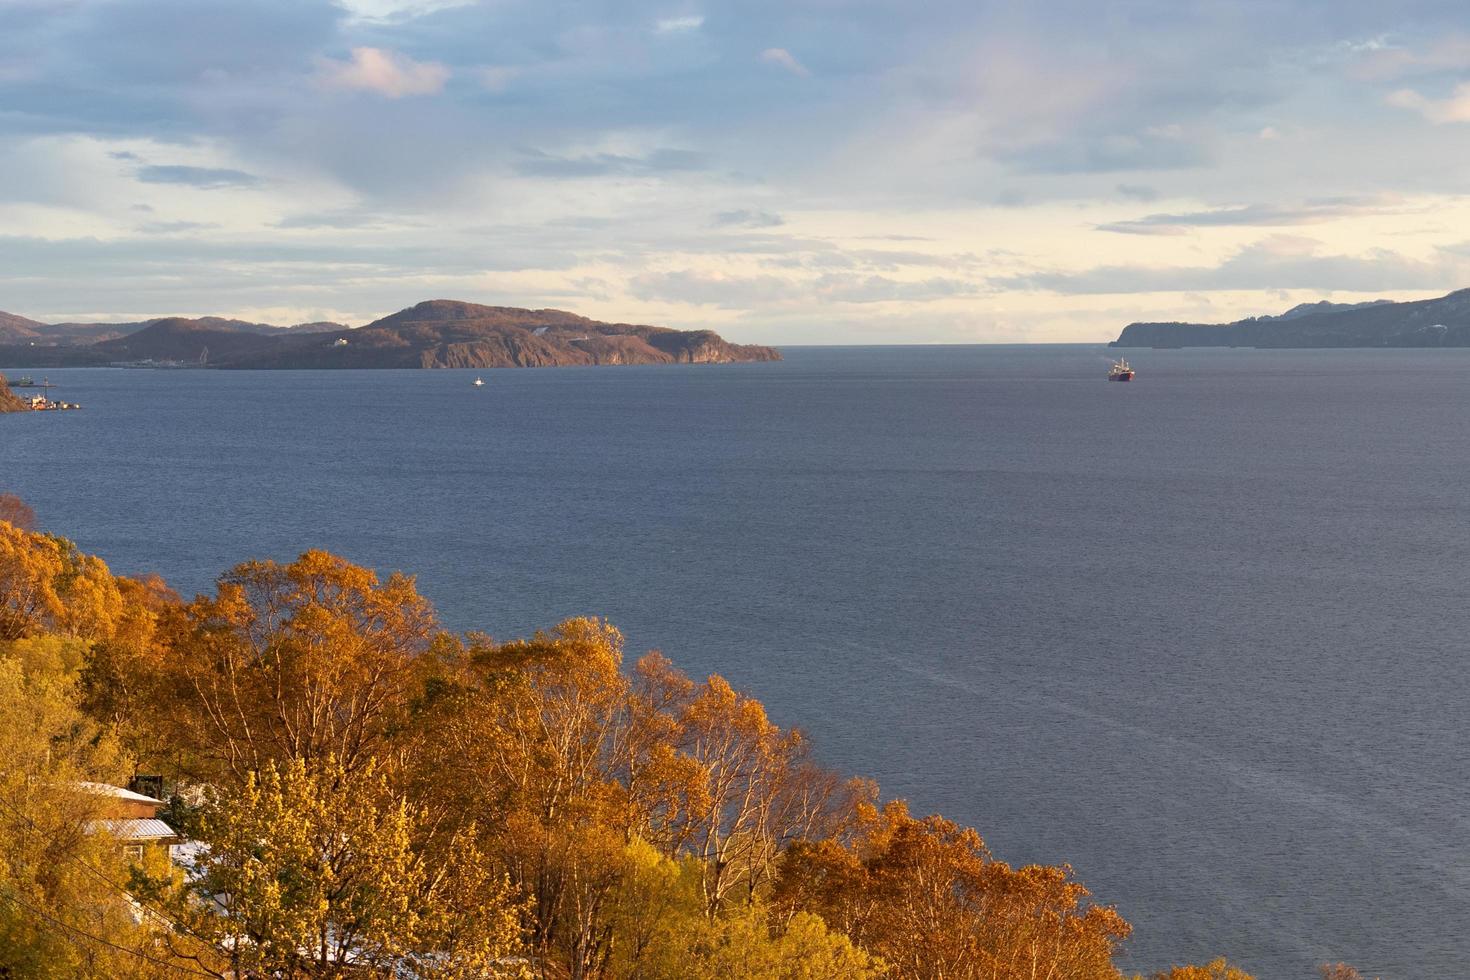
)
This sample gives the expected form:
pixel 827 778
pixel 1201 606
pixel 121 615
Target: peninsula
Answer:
pixel 1441 322
pixel 433 334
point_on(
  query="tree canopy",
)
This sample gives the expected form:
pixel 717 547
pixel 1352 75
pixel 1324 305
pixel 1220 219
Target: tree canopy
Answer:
pixel 369 795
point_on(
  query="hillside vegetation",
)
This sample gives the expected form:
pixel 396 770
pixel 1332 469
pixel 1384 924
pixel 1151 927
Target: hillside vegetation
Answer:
pixel 378 797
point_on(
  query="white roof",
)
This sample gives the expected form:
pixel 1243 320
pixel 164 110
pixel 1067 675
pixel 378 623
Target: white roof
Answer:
pixel 107 789
pixel 136 830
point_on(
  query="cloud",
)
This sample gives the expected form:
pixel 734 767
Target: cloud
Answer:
pixel 174 227
pixel 1278 263
pixel 205 178
pixel 1455 108
pixel 382 71
pixel 881 289
pixel 782 58
pixel 912 119
pixel 1165 148
pixel 1138 192
pixel 707 289
pixel 1382 61
pixel 399 9
pixel 1254 215
pixel 346 218
pixel 757 292
pixel 540 164
pixel 748 218
pixel 496 78
pixel 678 25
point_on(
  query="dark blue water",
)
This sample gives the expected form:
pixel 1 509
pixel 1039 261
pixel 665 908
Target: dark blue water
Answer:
pixel 1203 636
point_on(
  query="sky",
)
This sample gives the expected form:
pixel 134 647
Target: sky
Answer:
pixel 782 171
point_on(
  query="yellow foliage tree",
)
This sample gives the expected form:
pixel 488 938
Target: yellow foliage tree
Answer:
pixel 531 749
pixel 384 797
pixel 64 910
pixel 565 761
pixel 318 871
pixel 46 584
pixel 122 674
pixel 660 931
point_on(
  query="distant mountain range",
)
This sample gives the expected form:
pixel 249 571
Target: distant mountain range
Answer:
pixel 434 334
pixel 1442 322
pixel 19 330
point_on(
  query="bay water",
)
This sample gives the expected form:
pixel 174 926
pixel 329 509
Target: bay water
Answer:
pixel 1202 636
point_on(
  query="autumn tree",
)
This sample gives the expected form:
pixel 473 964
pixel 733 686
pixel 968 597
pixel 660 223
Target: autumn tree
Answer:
pixel 661 932
pixel 316 871
pixel 309 660
pixel 52 593
pixel 64 912
pixel 1220 969
pixel 123 673
pixel 753 790
pixel 17 512
pixel 46 583
pixel 530 746
pixel 928 897
pixel 549 743
pixel 384 798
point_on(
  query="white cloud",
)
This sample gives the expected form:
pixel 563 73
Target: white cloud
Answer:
pixel 384 72
pixel 1287 262
pixel 678 25
pixel 748 218
pixel 1454 108
pixel 396 9
pixel 1262 215
pixel 497 78
pixel 784 59
pixel 1383 61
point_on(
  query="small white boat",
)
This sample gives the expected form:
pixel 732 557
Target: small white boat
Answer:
pixel 479 382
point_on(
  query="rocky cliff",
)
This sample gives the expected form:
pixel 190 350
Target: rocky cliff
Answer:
pixel 8 401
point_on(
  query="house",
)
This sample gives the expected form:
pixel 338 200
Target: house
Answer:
pixel 132 818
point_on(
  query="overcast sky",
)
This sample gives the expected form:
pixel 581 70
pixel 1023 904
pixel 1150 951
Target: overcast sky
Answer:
pixel 786 171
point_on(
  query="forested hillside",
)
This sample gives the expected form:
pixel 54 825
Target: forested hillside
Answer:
pixel 371 795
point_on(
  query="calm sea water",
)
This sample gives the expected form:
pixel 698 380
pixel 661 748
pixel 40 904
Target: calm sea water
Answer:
pixel 1202 636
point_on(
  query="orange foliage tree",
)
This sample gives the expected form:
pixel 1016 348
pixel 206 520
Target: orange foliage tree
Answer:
pixel 595 793
pixel 1220 969
pixel 312 659
pixel 17 512
pixel 928 897
pixel 46 584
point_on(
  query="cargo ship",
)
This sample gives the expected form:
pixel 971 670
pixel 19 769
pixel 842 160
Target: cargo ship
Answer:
pixel 1120 371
